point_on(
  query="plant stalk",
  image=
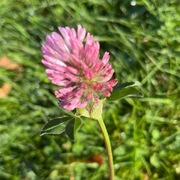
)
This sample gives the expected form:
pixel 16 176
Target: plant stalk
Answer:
pixel 108 148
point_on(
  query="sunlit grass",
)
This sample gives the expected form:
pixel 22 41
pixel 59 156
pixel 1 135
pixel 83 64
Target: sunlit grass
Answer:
pixel 143 41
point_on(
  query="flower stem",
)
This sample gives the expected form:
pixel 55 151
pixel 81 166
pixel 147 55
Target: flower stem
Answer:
pixel 108 148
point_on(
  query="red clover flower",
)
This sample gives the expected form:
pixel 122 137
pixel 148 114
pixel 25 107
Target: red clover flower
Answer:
pixel 73 64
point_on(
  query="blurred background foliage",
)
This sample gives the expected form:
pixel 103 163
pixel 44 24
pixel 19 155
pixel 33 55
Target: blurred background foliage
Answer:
pixel 143 38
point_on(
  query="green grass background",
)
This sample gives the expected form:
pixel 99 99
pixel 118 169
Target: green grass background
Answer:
pixel 143 38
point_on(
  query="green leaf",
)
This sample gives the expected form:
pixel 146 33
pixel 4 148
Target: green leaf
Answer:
pixel 154 160
pixel 56 126
pixel 72 127
pixel 125 90
pixel 77 124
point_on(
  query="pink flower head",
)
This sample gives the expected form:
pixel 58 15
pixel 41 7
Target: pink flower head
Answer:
pixel 72 61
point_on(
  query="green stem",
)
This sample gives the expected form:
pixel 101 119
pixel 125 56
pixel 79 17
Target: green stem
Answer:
pixel 108 148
